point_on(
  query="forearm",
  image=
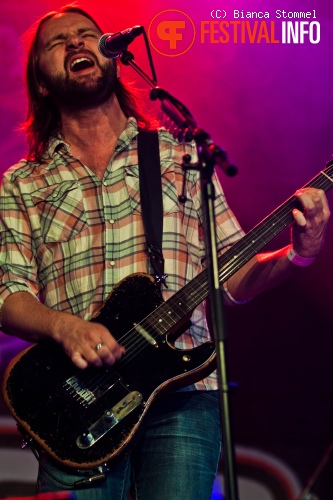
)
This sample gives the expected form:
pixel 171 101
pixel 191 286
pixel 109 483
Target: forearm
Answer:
pixel 261 273
pixel 268 270
pixel 25 317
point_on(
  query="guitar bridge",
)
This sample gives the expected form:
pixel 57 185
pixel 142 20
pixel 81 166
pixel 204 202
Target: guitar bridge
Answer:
pixel 109 420
pixel 84 389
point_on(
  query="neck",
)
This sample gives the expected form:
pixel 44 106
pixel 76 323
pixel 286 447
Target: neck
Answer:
pixel 92 134
pixel 94 126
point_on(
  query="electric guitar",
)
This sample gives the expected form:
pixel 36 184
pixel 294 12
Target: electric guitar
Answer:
pixel 84 418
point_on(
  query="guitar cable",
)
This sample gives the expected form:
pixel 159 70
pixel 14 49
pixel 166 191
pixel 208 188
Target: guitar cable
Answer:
pixel 81 483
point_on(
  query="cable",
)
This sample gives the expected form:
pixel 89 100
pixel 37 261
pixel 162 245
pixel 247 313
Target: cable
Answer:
pixel 81 483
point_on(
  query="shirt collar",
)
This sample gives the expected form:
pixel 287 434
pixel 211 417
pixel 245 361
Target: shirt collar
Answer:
pixel 128 134
pixel 57 142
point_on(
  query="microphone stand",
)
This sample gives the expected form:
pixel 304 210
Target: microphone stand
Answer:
pixel 209 155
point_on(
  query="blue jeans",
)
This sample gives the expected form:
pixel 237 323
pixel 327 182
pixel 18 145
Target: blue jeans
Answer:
pixel 175 459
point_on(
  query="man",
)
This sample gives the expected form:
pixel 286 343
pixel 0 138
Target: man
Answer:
pixel 71 229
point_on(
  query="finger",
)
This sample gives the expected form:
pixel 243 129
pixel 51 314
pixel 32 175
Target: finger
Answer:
pixel 110 356
pixel 299 217
pixel 309 202
pixel 92 345
pixel 79 361
pixel 86 355
pixel 324 201
pixel 313 200
pixel 111 345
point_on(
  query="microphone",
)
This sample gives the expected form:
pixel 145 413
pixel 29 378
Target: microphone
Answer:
pixel 111 45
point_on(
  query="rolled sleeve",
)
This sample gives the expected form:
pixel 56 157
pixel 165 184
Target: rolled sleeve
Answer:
pixel 18 270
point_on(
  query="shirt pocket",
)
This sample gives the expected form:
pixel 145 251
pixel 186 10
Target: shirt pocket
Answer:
pixel 169 189
pixel 61 211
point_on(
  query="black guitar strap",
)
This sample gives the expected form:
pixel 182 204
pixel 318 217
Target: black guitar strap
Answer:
pixel 151 199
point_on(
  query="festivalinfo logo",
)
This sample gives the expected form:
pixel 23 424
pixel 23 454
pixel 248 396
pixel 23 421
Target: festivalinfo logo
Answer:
pixel 173 32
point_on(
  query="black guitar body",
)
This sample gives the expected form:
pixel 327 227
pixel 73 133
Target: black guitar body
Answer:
pixel 59 405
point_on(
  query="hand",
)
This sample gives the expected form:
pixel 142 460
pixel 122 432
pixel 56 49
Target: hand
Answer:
pixel 88 343
pixel 309 227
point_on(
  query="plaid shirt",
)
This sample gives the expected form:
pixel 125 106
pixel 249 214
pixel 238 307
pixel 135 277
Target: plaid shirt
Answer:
pixel 68 237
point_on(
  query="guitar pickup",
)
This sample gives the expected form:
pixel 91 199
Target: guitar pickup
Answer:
pixel 109 420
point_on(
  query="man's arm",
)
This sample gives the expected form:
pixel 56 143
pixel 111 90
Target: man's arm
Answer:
pixel 22 314
pixel 267 270
pixel 25 317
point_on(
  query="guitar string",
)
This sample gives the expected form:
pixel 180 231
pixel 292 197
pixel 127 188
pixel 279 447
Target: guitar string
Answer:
pixel 134 347
pixel 227 271
pixel 131 346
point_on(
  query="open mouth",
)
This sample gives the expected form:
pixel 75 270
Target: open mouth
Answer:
pixel 81 63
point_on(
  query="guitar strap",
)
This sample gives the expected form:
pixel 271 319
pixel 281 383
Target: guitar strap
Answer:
pixel 151 199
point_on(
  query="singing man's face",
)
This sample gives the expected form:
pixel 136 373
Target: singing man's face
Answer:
pixel 72 70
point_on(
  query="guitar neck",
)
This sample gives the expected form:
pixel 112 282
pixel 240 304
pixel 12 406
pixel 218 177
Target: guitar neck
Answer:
pixel 256 239
pixel 192 294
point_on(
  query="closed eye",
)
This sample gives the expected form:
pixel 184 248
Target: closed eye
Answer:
pixel 54 45
pixel 61 38
pixel 93 35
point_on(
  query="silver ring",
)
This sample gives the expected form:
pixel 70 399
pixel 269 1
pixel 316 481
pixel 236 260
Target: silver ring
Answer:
pixel 98 346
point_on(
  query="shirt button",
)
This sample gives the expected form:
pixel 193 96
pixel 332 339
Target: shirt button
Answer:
pixel 104 183
pixel 111 221
pixel 112 263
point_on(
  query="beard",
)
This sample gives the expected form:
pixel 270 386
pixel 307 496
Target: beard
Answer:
pixel 85 92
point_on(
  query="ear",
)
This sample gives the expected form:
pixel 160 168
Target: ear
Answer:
pixel 42 90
